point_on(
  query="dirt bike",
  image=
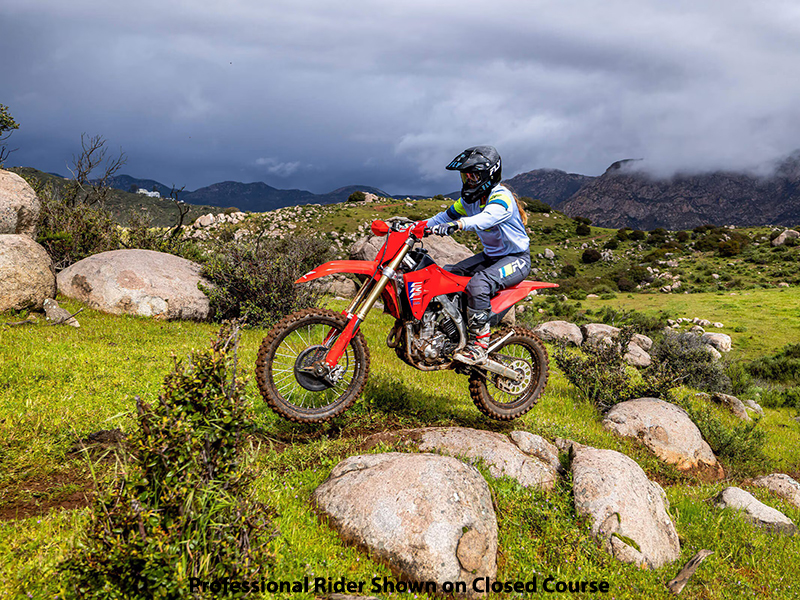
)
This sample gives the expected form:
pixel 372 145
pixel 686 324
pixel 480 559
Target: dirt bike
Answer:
pixel 313 364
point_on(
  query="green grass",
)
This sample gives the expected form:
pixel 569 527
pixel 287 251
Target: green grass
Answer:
pixel 58 384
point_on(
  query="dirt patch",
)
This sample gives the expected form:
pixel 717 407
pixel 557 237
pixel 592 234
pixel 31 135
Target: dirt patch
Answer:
pixel 39 495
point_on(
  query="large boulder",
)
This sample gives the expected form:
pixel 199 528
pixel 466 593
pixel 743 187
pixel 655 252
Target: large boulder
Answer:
pixel 536 465
pixel 429 517
pixel 668 432
pixel 443 250
pixel 559 331
pixel 627 511
pixel 19 205
pixel 754 511
pixel 137 282
pixel 27 276
pixel 786 235
pixel 594 333
pixel 782 485
pixel 720 341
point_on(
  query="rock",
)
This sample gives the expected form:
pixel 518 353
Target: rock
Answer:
pixel 57 315
pixel 509 318
pixel 503 457
pixel 718 325
pixel 19 205
pixel 720 341
pixel 593 333
pixel 557 331
pixel 713 352
pixel 636 357
pixel 549 254
pixel 668 432
pixel 754 511
pixel 627 511
pixel 754 406
pixel 644 342
pixel 337 285
pixel 537 446
pixel 782 485
pixel 27 275
pixel 137 282
pixel 443 250
pixel 205 220
pixel 429 517
pixel 732 403
pixel 788 234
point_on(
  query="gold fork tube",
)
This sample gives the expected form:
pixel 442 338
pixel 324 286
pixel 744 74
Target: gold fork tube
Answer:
pixel 378 289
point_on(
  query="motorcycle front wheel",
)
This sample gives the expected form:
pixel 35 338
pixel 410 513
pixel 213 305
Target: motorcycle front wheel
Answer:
pixel 501 398
pixel 284 359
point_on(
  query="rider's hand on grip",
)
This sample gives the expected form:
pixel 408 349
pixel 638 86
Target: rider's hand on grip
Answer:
pixel 445 228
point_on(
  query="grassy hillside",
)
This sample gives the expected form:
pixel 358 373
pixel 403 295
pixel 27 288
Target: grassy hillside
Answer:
pixel 73 382
pixel 59 384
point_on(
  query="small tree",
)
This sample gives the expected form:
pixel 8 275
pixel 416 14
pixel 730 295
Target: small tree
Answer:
pixel 357 197
pixel 7 126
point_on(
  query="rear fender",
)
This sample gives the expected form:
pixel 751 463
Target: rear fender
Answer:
pixel 508 297
pixel 358 267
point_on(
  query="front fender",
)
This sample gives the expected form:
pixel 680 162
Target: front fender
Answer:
pixel 358 267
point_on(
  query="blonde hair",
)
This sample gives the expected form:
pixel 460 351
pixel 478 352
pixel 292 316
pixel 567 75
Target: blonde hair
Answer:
pixel 523 215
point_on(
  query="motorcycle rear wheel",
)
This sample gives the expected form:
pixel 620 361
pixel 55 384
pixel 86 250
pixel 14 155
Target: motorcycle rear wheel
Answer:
pixel 294 342
pixel 500 398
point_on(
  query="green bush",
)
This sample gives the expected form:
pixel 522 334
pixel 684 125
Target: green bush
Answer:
pixel 590 255
pixel 778 397
pixel 70 230
pixel 636 235
pixel 741 448
pixel 602 376
pixel 357 197
pixel 611 244
pixel 782 367
pixel 534 205
pixel 583 230
pixel 688 360
pixel 178 509
pixel 254 281
pixel 622 234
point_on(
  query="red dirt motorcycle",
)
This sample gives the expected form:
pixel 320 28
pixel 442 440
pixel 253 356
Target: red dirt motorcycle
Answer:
pixel 314 363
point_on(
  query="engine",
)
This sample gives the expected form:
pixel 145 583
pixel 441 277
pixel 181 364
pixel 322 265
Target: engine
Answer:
pixel 433 339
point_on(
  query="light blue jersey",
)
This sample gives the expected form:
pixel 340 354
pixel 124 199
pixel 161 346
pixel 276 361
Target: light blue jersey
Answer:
pixel 497 222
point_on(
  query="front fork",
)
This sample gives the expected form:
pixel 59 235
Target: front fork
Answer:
pixel 363 306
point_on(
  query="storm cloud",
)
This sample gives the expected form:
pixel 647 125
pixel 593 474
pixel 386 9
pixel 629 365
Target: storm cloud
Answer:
pixel 317 95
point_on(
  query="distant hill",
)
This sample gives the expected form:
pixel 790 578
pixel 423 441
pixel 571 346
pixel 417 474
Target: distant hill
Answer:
pixel 627 196
pixel 551 186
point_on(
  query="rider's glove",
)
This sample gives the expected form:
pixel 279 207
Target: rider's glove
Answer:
pixel 445 228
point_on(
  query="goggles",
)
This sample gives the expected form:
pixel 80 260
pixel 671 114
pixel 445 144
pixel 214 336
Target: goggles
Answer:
pixel 470 178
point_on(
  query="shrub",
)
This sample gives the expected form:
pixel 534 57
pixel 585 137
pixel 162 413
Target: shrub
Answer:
pixel 590 255
pixel 178 509
pixel 625 285
pixel 611 244
pixel 782 367
pixel 622 234
pixel 688 360
pixel 534 205
pixel 636 235
pixel 780 396
pixel 358 196
pixel 740 447
pixel 583 230
pixel 568 270
pixel 254 281
pixel 601 375
pixel 71 231
pixel 683 236
pixel 729 248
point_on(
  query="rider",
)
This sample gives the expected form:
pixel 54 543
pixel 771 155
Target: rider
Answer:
pixel 494 212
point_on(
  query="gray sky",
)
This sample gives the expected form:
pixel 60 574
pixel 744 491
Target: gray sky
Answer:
pixel 316 95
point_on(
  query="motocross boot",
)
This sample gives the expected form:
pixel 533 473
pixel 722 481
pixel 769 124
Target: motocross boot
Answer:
pixel 474 353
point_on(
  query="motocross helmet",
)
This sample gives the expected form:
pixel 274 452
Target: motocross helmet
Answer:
pixel 480 171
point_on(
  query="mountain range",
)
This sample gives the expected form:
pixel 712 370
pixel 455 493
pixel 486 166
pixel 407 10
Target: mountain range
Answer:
pixel 626 195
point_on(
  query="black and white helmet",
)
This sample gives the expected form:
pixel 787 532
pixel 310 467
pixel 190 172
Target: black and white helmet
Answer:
pixel 480 171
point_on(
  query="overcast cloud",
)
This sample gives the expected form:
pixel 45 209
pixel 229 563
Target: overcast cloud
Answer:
pixel 317 95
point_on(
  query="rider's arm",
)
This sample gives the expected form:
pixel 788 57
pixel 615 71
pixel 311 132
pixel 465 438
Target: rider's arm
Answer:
pixel 496 212
pixel 453 213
